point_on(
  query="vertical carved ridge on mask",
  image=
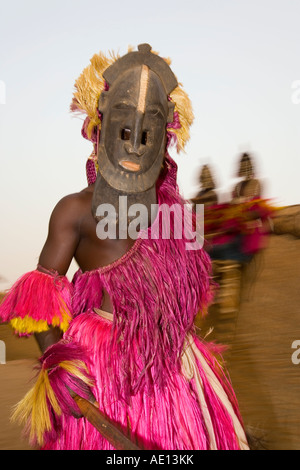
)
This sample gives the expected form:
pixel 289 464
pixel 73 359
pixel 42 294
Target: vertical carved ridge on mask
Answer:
pixel 143 88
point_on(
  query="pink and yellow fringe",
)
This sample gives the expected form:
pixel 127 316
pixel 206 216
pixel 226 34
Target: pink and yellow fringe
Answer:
pixel 36 301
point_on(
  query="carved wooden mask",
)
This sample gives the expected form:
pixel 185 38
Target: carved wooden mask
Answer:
pixel 135 113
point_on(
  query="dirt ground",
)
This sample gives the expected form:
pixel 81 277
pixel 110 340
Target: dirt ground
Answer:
pixel 16 378
pixel 266 381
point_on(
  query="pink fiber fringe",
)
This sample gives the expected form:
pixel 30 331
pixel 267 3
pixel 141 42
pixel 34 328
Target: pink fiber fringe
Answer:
pixel 155 418
pixel 39 295
pixel 61 382
pixel 156 289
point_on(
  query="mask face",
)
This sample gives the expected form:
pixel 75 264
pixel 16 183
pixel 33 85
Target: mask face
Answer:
pixel 133 136
pixel 246 169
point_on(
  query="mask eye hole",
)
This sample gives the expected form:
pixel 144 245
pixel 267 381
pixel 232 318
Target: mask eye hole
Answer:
pixel 125 134
pixel 144 137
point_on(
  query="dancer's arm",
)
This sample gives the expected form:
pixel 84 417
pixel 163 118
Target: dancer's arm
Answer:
pixel 58 252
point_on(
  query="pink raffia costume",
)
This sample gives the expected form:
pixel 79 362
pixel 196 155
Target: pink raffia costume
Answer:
pixel 150 373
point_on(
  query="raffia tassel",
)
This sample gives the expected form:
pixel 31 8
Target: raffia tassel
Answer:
pixel 41 410
pixel 27 326
pixel 33 410
pixel 184 108
pixel 36 301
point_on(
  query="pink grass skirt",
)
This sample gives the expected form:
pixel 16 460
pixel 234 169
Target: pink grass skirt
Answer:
pixel 196 410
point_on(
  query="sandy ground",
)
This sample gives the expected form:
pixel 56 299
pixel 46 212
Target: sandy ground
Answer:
pixel 265 380
pixel 16 378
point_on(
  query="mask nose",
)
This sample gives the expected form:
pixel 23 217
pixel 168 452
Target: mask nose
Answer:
pixel 136 144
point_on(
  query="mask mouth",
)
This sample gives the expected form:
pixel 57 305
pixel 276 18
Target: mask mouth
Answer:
pixel 130 166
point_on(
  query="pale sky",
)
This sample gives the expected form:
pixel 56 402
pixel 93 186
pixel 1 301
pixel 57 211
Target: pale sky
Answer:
pixel 238 60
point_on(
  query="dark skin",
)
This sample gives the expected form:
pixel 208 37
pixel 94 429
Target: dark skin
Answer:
pixel 72 234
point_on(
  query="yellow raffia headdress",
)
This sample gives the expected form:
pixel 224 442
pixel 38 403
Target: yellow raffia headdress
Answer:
pixel 90 85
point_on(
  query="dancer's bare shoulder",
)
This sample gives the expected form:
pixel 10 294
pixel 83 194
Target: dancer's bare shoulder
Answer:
pixel 73 207
pixel 64 232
